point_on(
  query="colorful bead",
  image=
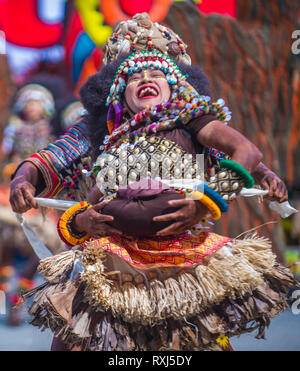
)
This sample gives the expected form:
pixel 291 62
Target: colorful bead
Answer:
pixel 182 101
pixel 138 62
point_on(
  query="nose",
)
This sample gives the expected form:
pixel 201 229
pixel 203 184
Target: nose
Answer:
pixel 145 77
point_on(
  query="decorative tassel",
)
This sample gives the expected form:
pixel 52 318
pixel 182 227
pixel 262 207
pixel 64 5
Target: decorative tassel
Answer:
pixel 114 116
pixel 54 267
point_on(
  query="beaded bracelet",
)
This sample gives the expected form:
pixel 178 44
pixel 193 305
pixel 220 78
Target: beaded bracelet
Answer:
pixel 209 203
pixel 240 170
pixel 215 196
pixel 64 225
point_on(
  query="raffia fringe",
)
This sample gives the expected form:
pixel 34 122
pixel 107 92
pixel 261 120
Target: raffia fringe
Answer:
pixel 228 274
pixel 233 271
pixel 54 267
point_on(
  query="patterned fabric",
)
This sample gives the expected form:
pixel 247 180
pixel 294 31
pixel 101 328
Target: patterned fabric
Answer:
pixel 181 250
pixel 218 155
pixel 60 156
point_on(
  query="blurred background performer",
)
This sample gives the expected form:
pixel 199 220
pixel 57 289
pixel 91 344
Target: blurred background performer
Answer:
pixel 28 130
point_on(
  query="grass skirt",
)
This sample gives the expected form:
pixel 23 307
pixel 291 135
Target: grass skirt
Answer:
pixel 123 294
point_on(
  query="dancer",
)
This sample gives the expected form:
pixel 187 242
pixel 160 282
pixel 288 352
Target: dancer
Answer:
pixel 28 131
pixel 173 291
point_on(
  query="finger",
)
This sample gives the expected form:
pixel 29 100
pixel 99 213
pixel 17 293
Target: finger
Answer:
pixel 181 228
pixel 177 216
pixel 13 206
pixel 183 202
pixel 275 189
pixel 171 229
pixel 96 215
pixel 100 205
pixel 265 184
pixel 12 202
pixel 279 191
pixel 19 202
pixel 283 194
pixel 29 199
pixel 284 198
pixel 102 218
pixel 270 192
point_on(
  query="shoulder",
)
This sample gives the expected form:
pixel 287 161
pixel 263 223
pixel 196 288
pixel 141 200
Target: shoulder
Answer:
pixel 15 122
pixel 196 124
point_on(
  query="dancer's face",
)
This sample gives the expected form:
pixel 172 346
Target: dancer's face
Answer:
pixel 147 88
pixel 33 110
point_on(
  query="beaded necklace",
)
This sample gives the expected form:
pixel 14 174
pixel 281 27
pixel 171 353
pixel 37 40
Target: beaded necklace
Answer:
pixel 185 102
pixel 165 116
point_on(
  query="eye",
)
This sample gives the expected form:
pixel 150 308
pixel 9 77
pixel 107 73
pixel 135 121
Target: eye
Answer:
pixel 158 74
pixel 135 78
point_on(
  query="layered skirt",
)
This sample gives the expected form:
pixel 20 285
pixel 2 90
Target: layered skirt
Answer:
pixel 167 293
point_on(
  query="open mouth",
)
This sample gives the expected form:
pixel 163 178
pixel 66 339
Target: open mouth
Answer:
pixel 147 91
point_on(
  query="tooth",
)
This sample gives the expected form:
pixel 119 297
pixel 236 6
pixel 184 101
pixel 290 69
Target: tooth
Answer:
pixel 146 90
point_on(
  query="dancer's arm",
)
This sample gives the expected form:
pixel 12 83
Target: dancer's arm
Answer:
pixel 241 150
pixel 41 173
pixel 216 135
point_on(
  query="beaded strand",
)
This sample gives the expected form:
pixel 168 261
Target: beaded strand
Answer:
pixel 180 111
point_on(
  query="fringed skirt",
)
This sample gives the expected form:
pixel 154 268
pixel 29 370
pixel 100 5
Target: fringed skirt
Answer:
pixel 179 293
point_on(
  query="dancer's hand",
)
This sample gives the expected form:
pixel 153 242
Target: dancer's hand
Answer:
pixel 92 222
pixel 187 216
pixel 22 195
pixel 276 187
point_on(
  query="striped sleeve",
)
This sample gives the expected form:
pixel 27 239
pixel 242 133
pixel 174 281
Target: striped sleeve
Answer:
pixel 60 156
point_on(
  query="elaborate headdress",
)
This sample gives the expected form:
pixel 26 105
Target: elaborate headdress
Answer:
pixel 140 34
pixel 35 92
pixel 107 86
pixel 151 45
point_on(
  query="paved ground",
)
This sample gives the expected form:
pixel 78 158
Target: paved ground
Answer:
pixel 282 335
